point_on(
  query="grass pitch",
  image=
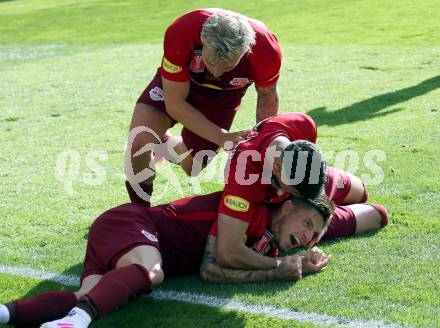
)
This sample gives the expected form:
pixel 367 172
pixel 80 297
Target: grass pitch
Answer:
pixel 70 72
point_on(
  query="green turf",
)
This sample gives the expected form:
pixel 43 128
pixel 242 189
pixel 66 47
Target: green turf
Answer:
pixel 70 85
pixel 145 312
pixel 323 22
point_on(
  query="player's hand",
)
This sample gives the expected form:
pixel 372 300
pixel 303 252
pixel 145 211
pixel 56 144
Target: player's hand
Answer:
pixel 228 140
pixel 314 260
pixel 317 255
pixel 290 268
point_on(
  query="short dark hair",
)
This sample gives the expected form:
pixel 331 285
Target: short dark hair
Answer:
pixel 302 154
pixel 321 203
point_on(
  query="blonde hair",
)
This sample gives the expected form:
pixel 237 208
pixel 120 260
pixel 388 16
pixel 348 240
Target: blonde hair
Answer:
pixel 228 33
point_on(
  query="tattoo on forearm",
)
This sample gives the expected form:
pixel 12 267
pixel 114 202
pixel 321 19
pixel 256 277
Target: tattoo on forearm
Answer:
pixel 232 275
pixel 267 102
pixel 208 255
pixel 213 272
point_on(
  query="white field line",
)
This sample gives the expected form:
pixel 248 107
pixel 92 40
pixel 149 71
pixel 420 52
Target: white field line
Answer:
pixel 215 302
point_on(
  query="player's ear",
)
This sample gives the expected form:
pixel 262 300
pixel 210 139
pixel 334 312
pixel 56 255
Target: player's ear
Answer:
pixel 288 207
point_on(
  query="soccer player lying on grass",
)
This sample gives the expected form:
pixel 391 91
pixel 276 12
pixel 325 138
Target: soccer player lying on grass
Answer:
pixel 132 248
pixel 267 167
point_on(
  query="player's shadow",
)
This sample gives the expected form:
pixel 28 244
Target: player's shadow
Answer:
pixel 373 107
pixel 68 280
pixel 145 311
pixel 363 235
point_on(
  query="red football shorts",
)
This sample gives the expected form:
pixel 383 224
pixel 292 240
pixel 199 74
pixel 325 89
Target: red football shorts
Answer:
pixel 343 224
pixel 338 185
pixel 116 232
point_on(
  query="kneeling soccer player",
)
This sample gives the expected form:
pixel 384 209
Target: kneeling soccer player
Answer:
pixel 132 248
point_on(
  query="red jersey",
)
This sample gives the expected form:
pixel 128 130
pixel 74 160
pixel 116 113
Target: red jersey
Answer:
pixel 248 181
pixel 183 227
pixel 178 230
pixel 182 59
pixel 183 223
pixel 258 234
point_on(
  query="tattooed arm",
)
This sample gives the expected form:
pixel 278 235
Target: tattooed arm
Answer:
pixel 211 271
pixel 267 101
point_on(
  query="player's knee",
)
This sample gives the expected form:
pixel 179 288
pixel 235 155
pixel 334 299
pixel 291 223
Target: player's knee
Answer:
pixel 156 275
pixel 154 271
pixel 143 140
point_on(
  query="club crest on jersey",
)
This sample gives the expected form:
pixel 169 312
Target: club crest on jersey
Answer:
pixel 240 81
pixel 150 236
pixel 197 65
pixel 170 67
pixel 156 94
pixel 263 245
pixel 236 203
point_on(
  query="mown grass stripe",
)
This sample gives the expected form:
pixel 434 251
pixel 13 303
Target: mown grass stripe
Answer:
pixel 215 302
pixel 65 279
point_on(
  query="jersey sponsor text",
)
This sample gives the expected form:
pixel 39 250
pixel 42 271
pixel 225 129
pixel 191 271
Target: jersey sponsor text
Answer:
pixel 170 67
pixel 236 203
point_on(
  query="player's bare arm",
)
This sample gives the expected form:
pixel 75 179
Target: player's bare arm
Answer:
pixel 267 101
pixel 178 108
pixel 211 271
pixel 231 250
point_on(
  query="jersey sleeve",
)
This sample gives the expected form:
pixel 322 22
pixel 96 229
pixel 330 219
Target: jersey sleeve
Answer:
pixel 177 46
pixel 236 203
pixel 240 197
pixel 265 58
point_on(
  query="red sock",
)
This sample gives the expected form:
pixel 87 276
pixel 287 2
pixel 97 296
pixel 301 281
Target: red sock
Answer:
pixel 134 198
pixel 43 307
pixel 118 286
pixel 383 213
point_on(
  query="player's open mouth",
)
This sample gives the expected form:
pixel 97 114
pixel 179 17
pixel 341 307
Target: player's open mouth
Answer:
pixel 294 240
